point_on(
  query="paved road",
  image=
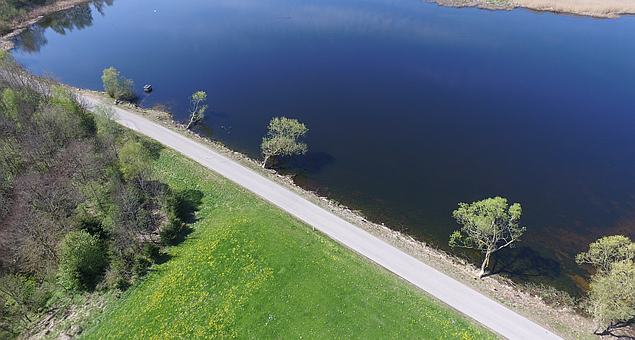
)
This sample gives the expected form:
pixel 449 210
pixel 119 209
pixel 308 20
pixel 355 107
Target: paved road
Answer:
pixel 486 311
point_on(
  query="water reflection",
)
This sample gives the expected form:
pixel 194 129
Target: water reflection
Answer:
pixel 76 18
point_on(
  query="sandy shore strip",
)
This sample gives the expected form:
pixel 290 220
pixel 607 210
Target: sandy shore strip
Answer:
pixel 593 8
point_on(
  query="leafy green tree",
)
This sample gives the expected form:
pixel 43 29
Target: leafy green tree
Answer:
pixel 117 86
pixel 134 160
pixel 612 297
pixel 9 104
pixel 197 108
pixel 82 260
pixel 487 226
pixel 606 251
pixel 282 139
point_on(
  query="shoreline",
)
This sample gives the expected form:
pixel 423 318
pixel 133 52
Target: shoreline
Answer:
pixel 608 9
pixel 504 290
pixel 33 17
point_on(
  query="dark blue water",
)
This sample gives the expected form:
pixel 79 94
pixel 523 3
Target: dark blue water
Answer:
pixel 412 107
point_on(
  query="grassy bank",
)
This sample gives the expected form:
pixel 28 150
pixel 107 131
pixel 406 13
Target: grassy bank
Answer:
pixel 249 270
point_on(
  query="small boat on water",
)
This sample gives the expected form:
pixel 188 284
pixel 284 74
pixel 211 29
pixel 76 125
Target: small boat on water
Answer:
pixel 147 88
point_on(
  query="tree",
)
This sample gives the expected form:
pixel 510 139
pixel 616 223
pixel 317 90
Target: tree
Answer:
pixel 134 161
pixel 606 251
pixel 612 297
pixel 487 226
pixel 117 86
pixel 197 108
pixel 282 139
pixel 82 260
pixel 9 104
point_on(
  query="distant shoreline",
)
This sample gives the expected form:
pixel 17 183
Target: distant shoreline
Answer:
pixel 606 9
pixel 35 15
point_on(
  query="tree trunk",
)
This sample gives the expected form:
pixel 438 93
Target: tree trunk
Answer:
pixel 190 123
pixel 264 162
pixel 484 264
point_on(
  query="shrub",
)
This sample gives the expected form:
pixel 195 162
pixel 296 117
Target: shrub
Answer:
pixel 82 260
pixel 134 160
pixel 172 231
pixel 612 297
pixel 117 86
pixel 551 295
pixel 178 209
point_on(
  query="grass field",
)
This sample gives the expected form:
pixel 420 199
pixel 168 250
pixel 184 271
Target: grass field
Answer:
pixel 248 270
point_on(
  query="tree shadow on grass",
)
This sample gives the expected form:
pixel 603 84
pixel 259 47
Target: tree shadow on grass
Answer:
pixel 187 203
pixel 154 148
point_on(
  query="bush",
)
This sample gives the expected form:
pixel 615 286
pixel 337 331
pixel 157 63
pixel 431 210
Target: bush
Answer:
pixel 82 260
pixel 178 209
pixel 172 231
pixel 117 86
pixel 134 160
pixel 551 295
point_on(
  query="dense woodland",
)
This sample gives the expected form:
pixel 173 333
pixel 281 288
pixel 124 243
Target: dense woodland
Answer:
pixel 79 210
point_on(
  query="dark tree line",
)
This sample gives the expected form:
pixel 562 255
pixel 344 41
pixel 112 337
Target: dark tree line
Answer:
pixel 79 209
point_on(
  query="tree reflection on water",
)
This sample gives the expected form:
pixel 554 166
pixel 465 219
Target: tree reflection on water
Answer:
pixel 78 17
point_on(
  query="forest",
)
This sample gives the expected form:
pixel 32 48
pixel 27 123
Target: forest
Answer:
pixel 79 210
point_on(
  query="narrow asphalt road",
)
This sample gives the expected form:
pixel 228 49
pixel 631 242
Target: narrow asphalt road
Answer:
pixel 484 310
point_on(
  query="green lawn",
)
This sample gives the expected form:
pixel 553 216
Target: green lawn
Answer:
pixel 251 271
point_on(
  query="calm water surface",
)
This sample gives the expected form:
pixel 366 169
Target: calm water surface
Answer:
pixel 412 107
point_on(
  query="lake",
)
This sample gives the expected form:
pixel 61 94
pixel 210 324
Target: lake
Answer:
pixel 411 107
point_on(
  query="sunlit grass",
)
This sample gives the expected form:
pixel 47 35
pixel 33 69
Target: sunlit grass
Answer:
pixel 251 271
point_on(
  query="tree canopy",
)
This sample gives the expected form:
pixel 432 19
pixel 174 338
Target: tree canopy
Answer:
pixel 134 160
pixel 76 199
pixel 283 139
pixel 117 86
pixel 611 299
pixel 606 251
pixel 487 226
pixel 612 296
pixel 81 260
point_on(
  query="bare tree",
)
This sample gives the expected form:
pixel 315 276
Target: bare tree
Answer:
pixel 197 108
